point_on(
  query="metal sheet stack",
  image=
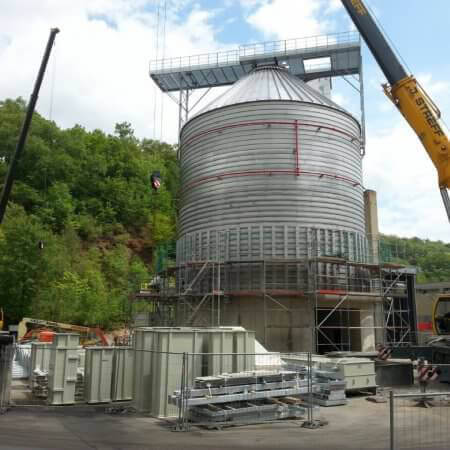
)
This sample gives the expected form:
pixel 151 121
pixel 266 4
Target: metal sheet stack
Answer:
pixel 39 383
pixel 22 362
pixel 79 385
pixel 332 393
pixel 63 369
pixel 40 363
pixel 246 396
pixel 159 358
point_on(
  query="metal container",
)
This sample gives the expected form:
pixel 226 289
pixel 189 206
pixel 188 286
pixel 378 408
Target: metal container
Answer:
pixel 62 373
pixel 142 388
pixel 169 346
pixel 122 375
pixel 159 361
pixel 244 349
pixel 394 373
pixel 98 374
pixel 271 169
pixel 220 342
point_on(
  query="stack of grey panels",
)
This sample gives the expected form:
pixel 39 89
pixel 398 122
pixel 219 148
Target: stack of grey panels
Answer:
pixel 79 385
pixel 39 384
pixel 247 396
pixel 331 394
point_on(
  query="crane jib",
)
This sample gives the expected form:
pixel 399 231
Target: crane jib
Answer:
pixel 359 7
pixel 429 116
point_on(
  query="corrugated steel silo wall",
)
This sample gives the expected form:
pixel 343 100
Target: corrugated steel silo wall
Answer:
pixel 242 198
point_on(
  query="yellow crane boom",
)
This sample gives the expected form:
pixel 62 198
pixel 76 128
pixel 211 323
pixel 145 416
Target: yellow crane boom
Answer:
pixel 407 95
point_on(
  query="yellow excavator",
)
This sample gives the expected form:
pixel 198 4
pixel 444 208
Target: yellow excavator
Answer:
pixel 441 315
pixel 407 95
pixel 29 326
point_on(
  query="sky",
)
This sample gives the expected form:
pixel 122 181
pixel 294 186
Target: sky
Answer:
pixel 98 75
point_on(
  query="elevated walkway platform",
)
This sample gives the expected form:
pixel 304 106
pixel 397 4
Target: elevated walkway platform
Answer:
pixel 307 58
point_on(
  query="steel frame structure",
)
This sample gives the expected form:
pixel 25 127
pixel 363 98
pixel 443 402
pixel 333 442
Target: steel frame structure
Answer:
pixel 336 55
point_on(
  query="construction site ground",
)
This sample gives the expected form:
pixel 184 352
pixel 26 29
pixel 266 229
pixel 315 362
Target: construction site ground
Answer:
pixel 359 424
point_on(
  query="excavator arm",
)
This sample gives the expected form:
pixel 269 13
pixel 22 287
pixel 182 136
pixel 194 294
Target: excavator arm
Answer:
pixel 407 95
pixel 23 328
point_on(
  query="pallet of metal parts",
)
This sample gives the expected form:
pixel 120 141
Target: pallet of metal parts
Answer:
pixel 248 394
pixel 328 402
pixel 334 386
pixel 327 374
pixel 243 388
pixel 234 379
pixel 79 385
pixel 39 383
pixel 254 411
pixel 331 393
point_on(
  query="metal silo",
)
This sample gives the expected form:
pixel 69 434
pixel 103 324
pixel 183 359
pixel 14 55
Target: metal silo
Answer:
pixel 270 169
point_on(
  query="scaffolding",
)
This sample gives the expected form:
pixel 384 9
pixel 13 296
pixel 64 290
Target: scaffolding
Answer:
pixel 347 305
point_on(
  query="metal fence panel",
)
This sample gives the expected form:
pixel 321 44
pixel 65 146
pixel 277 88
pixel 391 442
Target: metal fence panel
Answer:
pixel 6 358
pixel 420 420
pixel 268 390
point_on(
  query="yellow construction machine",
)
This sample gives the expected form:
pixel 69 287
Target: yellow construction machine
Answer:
pixel 441 315
pixel 29 327
pixel 407 95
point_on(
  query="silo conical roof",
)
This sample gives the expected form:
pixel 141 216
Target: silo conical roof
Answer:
pixel 269 83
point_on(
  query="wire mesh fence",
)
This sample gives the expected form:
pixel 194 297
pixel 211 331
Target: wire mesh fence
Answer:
pixel 419 420
pixel 6 358
pixel 220 389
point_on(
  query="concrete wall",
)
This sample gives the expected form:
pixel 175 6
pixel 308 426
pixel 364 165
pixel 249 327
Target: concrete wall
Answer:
pixel 285 330
pixel 291 330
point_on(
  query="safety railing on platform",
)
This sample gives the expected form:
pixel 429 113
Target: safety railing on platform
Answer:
pixel 228 57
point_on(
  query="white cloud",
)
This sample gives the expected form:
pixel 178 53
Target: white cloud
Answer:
pixel 433 87
pixel 339 99
pixel 285 19
pixel 101 78
pixel 101 58
pixel 399 169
